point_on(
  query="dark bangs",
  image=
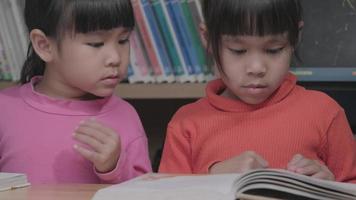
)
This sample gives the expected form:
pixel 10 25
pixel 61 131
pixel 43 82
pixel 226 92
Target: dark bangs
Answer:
pixel 250 17
pixel 83 16
pixel 259 17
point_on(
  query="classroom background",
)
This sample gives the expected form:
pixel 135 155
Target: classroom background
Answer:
pixel 169 66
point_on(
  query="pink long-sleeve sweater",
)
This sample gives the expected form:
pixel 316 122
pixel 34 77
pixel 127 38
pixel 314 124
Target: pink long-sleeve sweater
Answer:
pixel 36 137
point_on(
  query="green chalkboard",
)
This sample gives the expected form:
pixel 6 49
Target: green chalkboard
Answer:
pixel 328 47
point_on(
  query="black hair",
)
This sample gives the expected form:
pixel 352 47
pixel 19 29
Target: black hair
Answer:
pixel 250 17
pixel 56 17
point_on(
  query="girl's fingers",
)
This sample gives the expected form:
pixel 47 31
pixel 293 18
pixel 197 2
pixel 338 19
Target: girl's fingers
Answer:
pixel 256 159
pixel 296 158
pixel 261 161
pixel 95 125
pixel 325 174
pixel 87 154
pixel 95 144
pixel 309 170
pixel 90 132
pixel 321 175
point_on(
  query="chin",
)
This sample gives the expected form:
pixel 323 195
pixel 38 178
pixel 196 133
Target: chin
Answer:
pixel 104 93
pixel 254 101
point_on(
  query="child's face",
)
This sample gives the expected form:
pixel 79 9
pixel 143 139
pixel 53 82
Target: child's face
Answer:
pixel 254 66
pixel 91 63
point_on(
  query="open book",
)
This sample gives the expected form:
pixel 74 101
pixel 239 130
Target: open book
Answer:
pixel 12 180
pixel 256 184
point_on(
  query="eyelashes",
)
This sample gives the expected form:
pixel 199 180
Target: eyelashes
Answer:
pixel 95 44
pixel 100 44
pixel 268 51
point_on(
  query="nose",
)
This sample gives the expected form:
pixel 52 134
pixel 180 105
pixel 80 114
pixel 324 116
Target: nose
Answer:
pixel 257 67
pixel 113 57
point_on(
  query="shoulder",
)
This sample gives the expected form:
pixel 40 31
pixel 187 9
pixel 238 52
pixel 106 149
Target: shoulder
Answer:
pixel 192 111
pixel 316 97
pixel 121 113
pixel 317 102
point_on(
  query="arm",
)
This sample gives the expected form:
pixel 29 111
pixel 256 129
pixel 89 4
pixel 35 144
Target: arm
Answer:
pixel 134 161
pixel 113 163
pixel 341 149
pixel 176 156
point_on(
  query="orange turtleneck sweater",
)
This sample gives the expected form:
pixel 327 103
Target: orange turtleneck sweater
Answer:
pixel 293 120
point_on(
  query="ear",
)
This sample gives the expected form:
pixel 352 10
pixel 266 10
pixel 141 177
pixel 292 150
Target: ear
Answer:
pixel 204 38
pixel 42 45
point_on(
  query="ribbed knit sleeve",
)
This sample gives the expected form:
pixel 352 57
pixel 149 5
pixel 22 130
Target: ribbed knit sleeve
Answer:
pixel 177 152
pixel 341 149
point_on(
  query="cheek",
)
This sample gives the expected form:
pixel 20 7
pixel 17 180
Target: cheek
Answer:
pixel 125 55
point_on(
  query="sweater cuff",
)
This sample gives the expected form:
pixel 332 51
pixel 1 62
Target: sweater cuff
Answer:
pixel 113 176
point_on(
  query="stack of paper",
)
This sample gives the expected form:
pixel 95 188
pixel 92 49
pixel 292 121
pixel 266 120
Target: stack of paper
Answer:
pixel 12 180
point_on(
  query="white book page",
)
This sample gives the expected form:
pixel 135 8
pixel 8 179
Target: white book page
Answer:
pixel 283 180
pixel 164 186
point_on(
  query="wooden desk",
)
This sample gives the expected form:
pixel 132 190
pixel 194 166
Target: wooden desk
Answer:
pixel 69 192
pixel 53 192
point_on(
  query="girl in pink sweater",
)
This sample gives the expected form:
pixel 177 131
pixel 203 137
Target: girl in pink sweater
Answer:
pixel 255 116
pixel 64 124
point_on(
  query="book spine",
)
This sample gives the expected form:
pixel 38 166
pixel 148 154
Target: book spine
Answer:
pixel 167 37
pixel 178 11
pixel 188 7
pixel 173 11
pixel 8 33
pixel 20 25
pixel 130 72
pixel 187 76
pixel 147 41
pixel 5 67
pixel 137 51
pixel 2 61
pixel 138 59
pixel 199 9
pixel 158 44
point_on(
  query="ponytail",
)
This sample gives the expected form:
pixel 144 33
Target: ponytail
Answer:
pixel 33 66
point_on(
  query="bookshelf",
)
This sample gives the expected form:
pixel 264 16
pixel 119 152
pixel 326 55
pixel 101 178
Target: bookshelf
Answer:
pixel 5 84
pixel 151 91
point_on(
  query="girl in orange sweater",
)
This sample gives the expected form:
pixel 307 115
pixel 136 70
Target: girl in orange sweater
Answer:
pixel 255 116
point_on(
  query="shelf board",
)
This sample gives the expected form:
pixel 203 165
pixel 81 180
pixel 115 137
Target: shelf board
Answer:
pixel 161 91
pixel 6 84
pixel 152 91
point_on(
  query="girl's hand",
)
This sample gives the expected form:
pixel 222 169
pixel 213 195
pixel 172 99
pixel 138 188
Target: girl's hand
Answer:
pixel 103 144
pixel 301 165
pixel 239 164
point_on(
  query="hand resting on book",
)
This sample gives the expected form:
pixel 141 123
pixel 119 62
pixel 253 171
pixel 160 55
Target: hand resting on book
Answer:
pixel 250 160
pixel 239 164
pixel 302 165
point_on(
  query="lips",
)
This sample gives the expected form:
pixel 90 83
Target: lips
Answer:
pixel 111 80
pixel 255 86
pixel 255 89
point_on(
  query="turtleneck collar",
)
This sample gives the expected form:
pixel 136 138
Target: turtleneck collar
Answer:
pixel 215 87
pixel 63 106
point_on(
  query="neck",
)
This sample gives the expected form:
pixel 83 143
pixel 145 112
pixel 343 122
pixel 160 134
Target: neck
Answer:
pixel 51 87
